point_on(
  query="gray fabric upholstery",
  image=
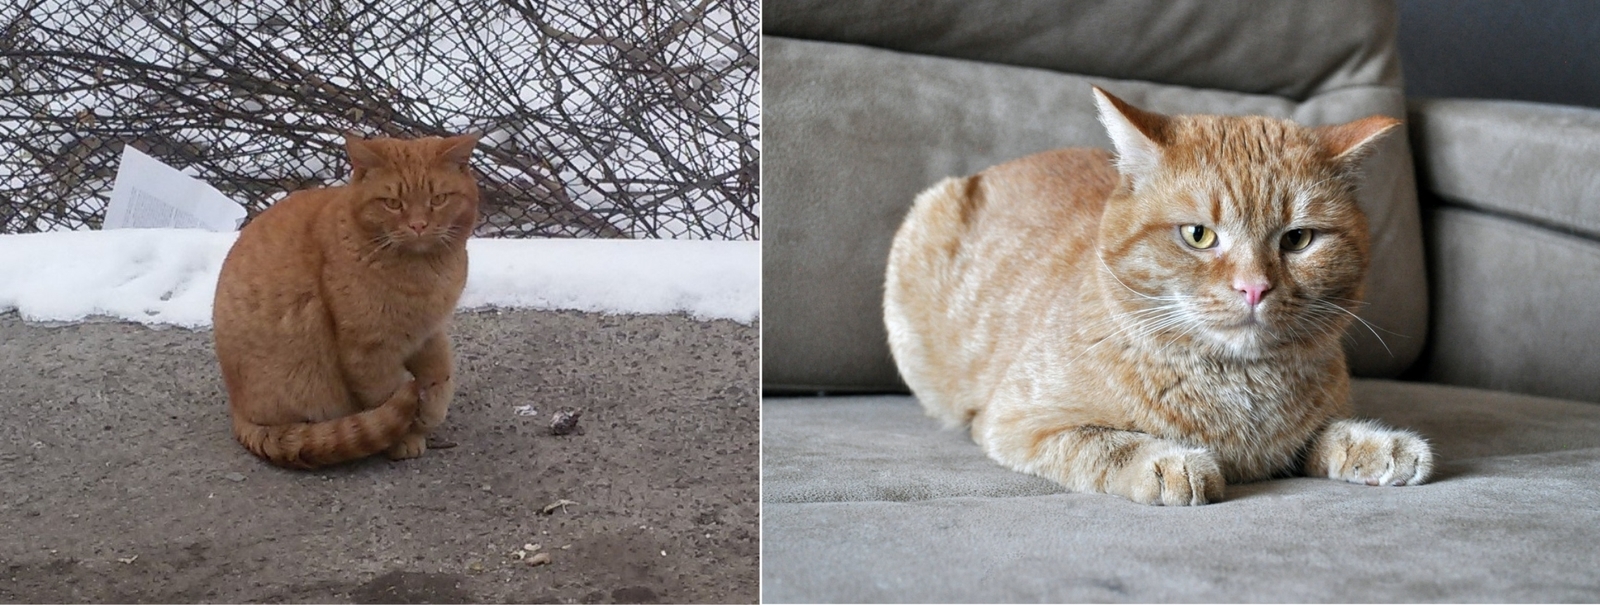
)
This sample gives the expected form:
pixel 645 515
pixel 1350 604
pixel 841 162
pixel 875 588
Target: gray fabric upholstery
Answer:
pixel 1515 246
pixel 1514 306
pixel 866 499
pixel 1535 162
pixel 1290 49
pixel 853 133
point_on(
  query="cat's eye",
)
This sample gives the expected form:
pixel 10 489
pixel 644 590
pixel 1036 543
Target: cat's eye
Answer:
pixel 1198 237
pixel 439 200
pixel 392 204
pixel 1295 240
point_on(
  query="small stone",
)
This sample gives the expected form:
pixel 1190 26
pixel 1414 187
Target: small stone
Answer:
pixel 234 477
pixel 565 422
pixel 539 559
pixel 487 488
pixel 475 567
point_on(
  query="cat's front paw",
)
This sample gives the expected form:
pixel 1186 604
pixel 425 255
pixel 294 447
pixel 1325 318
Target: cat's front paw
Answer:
pixel 410 446
pixel 1173 475
pixel 1363 451
pixel 435 396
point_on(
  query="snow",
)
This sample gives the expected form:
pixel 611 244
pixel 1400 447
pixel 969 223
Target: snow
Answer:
pixel 168 276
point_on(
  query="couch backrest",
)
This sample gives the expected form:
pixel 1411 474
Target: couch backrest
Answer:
pixel 1287 48
pixel 887 98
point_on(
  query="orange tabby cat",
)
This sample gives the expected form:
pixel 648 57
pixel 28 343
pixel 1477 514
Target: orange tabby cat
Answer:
pixel 1156 325
pixel 331 310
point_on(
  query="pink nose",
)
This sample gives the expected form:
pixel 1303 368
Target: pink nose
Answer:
pixel 1253 290
pixel 418 226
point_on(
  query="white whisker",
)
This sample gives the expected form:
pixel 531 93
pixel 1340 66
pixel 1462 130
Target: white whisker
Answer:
pixel 1369 326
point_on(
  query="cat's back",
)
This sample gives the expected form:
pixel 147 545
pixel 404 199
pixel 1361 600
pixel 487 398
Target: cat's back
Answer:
pixel 275 260
pixel 997 245
pixel 288 221
pixel 1061 191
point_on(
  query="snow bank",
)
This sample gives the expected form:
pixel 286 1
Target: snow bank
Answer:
pixel 169 276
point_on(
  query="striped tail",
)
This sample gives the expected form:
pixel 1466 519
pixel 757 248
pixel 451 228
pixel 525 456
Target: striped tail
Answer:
pixel 306 445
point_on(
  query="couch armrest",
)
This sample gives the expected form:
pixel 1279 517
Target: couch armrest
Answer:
pixel 1513 240
pixel 1533 162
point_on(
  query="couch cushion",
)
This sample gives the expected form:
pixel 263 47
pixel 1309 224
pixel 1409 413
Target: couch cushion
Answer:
pixel 853 133
pixel 1514 305
pixel 1289 49
pixel 865 500
pixel 1530 161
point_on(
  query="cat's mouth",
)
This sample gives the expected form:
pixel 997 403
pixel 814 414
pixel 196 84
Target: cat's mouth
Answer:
pixel 425 241
pixel 1251 321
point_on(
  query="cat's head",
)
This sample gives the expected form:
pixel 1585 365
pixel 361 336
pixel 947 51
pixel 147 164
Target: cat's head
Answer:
pixel 1237 234
pixel 414 195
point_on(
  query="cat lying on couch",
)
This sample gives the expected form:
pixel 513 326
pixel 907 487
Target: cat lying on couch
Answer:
pixel 1153 326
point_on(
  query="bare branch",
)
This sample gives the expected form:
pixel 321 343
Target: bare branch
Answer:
pixel 601 118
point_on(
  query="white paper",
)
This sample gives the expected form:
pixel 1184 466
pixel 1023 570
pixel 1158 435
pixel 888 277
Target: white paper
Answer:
pixel 150 194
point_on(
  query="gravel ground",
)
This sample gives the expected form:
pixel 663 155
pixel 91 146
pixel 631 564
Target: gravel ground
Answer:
pixel 121 481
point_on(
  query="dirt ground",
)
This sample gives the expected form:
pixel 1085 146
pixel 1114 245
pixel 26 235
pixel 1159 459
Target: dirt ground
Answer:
pixel 120 481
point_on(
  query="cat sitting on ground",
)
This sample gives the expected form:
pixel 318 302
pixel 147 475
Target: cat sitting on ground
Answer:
pixel 1154 325
pixel 332 307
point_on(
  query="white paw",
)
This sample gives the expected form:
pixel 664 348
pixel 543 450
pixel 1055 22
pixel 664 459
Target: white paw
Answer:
pixel 1176 476
pixel 1367 452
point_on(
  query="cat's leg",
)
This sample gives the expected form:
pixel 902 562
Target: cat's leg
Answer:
pixel 1086 458
pixel 433 366
pixel 373 375
pixel 1364 451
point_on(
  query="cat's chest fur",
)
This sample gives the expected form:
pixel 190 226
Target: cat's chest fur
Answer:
pixel 396 303
pixel 1254 416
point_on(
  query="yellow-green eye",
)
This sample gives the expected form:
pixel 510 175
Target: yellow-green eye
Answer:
pixel 392 204
pixel 1198 237
pixel 1295 240
pixel 439 200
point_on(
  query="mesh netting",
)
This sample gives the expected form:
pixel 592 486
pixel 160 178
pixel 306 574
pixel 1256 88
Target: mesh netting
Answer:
pixel 601 118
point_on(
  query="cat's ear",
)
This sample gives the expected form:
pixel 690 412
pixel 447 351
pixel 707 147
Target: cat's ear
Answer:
pixel 362 156
pixel 1137 134
pixel 1347 143
pixel 458 149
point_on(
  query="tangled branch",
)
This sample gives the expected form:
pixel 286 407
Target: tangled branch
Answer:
pixel 601 118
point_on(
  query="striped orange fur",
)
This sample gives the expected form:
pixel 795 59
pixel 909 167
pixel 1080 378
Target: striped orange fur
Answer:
pixel 332 308
pixel 1054 305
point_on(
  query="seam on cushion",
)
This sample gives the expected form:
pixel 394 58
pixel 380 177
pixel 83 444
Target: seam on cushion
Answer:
pixel 1549 223
pixel 1534 214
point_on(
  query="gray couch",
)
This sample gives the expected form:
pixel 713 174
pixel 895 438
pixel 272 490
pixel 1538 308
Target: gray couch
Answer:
pixel 1485 293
